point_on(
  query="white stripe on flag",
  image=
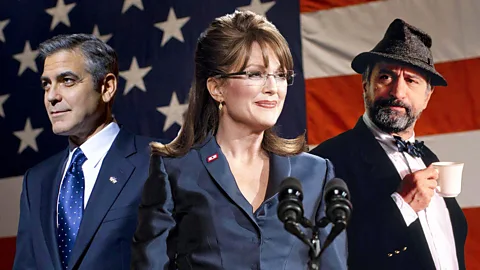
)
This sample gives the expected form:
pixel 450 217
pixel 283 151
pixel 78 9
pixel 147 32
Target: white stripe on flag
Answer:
pixel 10 189
pixel 332 38
pixel 460 147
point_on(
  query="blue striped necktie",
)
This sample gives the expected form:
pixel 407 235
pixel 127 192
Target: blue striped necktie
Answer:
pixel 70 206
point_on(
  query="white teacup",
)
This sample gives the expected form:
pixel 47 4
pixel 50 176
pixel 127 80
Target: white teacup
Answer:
pixel 449 183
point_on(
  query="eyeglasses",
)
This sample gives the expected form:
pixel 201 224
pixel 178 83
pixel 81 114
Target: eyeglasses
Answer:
pixel 257 78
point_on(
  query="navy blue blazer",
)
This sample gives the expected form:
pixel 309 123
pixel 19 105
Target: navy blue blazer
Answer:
pixel 378 237
pixel 193 216
pixel 109 220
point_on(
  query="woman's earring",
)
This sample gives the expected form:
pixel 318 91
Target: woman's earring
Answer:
pixel 220 106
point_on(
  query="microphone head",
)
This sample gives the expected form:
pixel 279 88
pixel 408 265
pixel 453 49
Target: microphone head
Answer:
pixel 336 186
pixel 337 199
pixel 290 187
pixel 290 196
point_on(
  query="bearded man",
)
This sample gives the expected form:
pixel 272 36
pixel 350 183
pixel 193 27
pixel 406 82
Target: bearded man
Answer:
pixel 399 221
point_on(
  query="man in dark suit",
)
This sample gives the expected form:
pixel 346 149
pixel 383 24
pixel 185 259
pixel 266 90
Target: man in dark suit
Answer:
pixel 79 207
pixel 399 221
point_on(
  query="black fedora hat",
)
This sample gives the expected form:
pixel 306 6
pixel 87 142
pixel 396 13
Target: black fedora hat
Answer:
pixel 406 44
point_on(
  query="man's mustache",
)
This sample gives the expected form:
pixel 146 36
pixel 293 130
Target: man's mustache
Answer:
pixel 391 102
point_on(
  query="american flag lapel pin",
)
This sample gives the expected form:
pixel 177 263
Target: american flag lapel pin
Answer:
pixel 212 157
pixel 113 179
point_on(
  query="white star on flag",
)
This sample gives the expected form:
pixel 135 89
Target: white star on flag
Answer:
pixel 134 76
pixel 2 26
pixel 258 7
pixel 60 13
pixel 104 38
pixel 27 59
pixel 172 27
pixel 28 137
pixel 173 112
pixel 129 3
pixel 3 98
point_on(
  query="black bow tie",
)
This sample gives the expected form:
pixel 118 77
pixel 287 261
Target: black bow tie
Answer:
pixel 414 149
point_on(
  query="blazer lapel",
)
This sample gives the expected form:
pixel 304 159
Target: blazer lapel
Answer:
pixel 378 166
pixel 104 193
pixel 280 168
pixel 48 205
pixel 217 166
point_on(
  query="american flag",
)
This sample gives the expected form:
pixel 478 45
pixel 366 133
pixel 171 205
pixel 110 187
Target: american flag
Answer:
pixel 155 41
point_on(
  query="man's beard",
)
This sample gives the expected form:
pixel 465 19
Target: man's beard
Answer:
pixel 388 120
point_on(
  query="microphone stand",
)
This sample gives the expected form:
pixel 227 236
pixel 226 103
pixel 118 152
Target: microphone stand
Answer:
pixel 314 244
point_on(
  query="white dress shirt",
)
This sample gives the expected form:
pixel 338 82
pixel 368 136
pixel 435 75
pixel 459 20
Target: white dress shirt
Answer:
pixel 95 149
pixel 435 219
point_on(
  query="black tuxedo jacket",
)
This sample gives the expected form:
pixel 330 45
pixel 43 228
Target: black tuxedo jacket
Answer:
pixel 378 237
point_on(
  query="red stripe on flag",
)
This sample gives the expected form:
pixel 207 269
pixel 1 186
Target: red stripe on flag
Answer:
pixel 7 252
pixel 315 5
pixel 335 103
pixel 457 107
pixel 333 106
pixel 472 247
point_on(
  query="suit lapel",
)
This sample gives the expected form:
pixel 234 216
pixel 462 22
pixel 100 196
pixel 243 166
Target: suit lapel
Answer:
pixel 428 157
pixel 217 166
pixel 280 168
pixel 378 168
pixel 48 205
pixel 104 193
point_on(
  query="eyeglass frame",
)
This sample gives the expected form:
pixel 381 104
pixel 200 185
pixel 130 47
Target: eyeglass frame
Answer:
pixel 246 72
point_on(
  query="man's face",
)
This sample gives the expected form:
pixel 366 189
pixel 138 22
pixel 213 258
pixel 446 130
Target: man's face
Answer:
pixel 73 102
pixel 395 96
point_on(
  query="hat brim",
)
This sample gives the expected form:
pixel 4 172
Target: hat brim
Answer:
pixel 361 61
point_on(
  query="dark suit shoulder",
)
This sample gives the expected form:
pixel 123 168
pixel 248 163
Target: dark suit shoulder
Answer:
pixel 191 157
pixel 142 143
pixel 174 164
pixel 316 165
pixel 333 145
pixel 147 140
pixel 41 172
pixel 48 163
pixel 307 158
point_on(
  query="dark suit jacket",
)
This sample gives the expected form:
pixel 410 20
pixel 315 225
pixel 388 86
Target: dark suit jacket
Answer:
pixel 377 227
pixel 193 216
pixel 109 220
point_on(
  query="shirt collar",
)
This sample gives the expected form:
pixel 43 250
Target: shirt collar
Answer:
pixel 96 147
pixel 381 135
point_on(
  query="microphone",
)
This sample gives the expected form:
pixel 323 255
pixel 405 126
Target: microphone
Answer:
pixel 290 208
pixel 338 208
pixel 290 196
pixel 337 198
pixel 290 212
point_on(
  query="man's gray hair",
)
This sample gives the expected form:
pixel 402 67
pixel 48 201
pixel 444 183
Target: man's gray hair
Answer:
pixel 100 58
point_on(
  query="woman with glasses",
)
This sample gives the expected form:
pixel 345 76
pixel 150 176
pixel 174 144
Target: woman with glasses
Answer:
pixel 212 196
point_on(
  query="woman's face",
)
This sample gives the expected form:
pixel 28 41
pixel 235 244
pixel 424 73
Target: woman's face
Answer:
pixel 253 100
